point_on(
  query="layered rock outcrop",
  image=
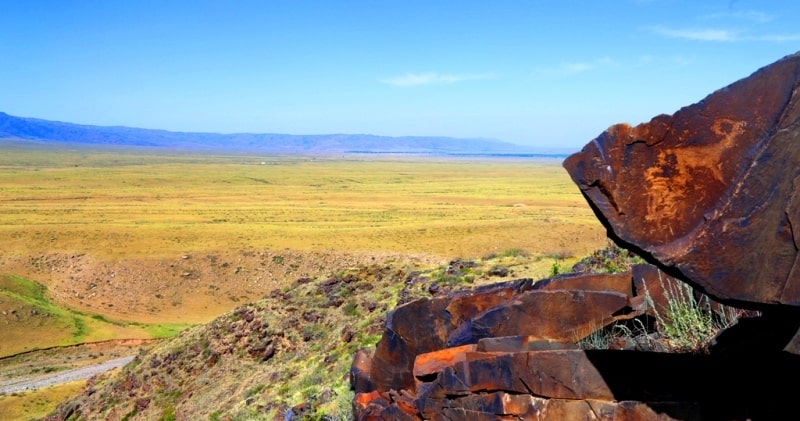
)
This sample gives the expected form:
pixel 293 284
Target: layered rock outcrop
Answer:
pixel 433 363
pixel 710 196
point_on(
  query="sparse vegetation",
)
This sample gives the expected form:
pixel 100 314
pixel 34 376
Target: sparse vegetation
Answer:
pixel 350 308
pixel 610 259
pixel 555 268
pixel 41 323
pixel 35 405
pixel 187 259
pixel 288 352
pixel 157 204
pixel 685 324
pixel 634 334
pixel 512 252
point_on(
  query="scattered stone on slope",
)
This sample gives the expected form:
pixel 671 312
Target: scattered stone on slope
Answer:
pixel 252 362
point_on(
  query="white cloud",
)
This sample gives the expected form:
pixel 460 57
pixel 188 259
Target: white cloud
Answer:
pixel 776 38
pixel 696 34
pixel 574 68
pixel 570 69
pixel 430 78
pixel 748 15
pixel 585 66
pixel 720 35
pixel 657 60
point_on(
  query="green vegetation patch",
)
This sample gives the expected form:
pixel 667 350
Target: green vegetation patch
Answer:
pixel 163 330
pixel 33 321
pixel 33 294
pixel 31 290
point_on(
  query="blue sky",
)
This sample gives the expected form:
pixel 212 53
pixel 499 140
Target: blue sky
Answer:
pixel 539 73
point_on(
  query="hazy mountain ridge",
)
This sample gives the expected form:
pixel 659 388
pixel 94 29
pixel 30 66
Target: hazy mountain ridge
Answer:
pixel 69 133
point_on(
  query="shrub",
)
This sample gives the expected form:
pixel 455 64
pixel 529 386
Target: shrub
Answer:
pixel 611 259
pixel 635 333
pixel 350 308
pixel 555 268
pixel 686 325
pixel 256 390
pixel 514 252
pixel 168 414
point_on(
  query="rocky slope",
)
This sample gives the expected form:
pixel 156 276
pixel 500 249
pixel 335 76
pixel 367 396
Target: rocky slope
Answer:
pixel 288 353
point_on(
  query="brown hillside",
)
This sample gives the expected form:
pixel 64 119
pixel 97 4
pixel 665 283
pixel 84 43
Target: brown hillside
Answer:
pixel 288 351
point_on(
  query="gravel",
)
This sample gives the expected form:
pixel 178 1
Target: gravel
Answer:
pixel 62 377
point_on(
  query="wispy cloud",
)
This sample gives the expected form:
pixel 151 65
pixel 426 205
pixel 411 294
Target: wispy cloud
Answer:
pixel 777 38
pixel 645 60
pixel 696 34
pixel 720 35
pixel 573 68
pixel 585 66
pixel 745 15
pixel 661 61
pixel 432 78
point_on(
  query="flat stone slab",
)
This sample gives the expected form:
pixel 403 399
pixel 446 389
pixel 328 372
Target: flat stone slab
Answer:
pixel 556 315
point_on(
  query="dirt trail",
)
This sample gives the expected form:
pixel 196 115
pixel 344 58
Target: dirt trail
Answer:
pixel 63 377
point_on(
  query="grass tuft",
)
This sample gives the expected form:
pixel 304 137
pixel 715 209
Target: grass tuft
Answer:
pixel 610 259
pixel 685 324
pixel 682 325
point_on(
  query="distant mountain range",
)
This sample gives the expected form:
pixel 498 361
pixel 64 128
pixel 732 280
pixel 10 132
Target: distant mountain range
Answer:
pixel 60 133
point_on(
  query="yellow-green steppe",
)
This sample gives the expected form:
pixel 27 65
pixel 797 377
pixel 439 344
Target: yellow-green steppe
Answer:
pixel 144 242
pixel 110 244
pixel 115 205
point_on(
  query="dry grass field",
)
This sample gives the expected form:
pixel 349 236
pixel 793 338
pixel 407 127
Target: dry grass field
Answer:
pixel 130 235
pixel 30 406
pixel 126 244
pixel 100 245
pixel 115 206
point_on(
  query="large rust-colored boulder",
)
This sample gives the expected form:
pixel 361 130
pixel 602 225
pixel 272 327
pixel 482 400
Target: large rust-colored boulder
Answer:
pixel 522 343
pixel 416 375
pixel 712 192
pixel 465 306
pixel 432 362
pixel 550 374
pixel 360 371
pixel 425 325
pixel 417 327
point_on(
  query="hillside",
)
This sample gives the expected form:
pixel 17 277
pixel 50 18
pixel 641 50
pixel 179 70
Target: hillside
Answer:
pixel 288 356
pixel 62 133
pixel 289 352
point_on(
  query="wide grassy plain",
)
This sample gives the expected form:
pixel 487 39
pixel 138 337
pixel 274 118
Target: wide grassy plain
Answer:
pixel 115 205
pixel 113 244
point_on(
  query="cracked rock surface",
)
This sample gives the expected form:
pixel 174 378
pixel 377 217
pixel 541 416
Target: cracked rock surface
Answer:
pixel 710 192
